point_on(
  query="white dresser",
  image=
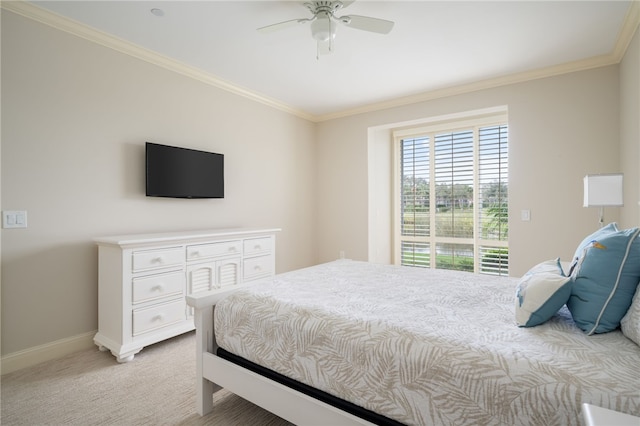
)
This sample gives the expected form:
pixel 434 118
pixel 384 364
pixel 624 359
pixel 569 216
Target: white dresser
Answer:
pixel 143 280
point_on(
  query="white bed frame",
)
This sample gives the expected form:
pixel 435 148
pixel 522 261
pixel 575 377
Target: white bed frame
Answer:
pixel 214 373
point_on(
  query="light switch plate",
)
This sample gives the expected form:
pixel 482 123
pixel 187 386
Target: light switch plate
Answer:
pixel 14 219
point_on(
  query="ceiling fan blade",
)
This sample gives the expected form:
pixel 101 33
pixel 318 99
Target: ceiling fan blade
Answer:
pixel 282 25
pixel 367 23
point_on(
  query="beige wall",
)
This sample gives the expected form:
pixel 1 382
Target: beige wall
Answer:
pixel 630 131
pixel 75 118
pixel 561 128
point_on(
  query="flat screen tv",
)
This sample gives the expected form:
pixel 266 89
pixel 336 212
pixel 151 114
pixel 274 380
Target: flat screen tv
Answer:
pixel 177 172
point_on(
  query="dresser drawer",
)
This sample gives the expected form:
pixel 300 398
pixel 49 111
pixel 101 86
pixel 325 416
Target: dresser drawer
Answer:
pixel 157 286
pixel 256 246
pixel 257 267
pixel 203 251
pixel 154 259
pixel 158 316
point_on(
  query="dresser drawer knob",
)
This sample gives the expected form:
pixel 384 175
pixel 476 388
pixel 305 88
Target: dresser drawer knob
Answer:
pixel 257 268
pixel 157 259
pixel 232 249
pixel 158 317
pixel 257 247
pixel 195 254
pixel 158 287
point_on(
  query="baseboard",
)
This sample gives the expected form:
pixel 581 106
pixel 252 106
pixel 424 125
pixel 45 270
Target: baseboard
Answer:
pixel 47 352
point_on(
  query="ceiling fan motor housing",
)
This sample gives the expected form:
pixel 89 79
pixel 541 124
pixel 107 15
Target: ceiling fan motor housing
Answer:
pixel 330 7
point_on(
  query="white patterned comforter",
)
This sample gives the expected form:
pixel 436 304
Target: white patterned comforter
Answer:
pixel 427 346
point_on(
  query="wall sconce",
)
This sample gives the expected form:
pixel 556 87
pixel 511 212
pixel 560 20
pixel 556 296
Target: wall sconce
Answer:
pixel 603 191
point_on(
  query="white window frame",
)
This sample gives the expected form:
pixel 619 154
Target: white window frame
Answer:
pixel 474 122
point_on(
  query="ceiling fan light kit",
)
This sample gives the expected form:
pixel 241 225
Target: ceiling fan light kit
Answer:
pixel 323 28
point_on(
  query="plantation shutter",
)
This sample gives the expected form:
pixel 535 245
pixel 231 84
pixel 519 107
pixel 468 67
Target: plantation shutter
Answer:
pixel 454 186
pixel 453 197
pixel 493 217
pixel 415 201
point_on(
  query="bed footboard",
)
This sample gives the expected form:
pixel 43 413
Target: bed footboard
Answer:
pixel 213 373
pixel 205 343
pixel 203 305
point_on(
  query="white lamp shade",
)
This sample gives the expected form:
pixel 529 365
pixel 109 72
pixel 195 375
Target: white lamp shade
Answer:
pixel 603 190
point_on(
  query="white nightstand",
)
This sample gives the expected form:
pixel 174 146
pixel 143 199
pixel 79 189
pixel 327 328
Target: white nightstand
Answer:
pixel 598 416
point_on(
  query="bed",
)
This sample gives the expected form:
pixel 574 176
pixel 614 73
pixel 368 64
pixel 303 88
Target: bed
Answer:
pixel 384 344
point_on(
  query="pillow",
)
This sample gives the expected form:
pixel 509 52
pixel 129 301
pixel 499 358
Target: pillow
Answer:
pixel 551 266
pixel 605 230
pixel 609 229
pixel 630 323
pixel 540 293
pixel 604 281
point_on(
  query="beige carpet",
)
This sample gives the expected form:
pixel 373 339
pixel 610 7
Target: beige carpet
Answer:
pixel 91 388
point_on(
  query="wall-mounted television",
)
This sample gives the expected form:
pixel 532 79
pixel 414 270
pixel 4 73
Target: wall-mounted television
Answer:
pixel 177 172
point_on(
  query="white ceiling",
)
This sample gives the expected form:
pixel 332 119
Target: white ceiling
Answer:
pixel 434 44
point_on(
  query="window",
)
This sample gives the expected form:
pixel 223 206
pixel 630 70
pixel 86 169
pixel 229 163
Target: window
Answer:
pixel 452 196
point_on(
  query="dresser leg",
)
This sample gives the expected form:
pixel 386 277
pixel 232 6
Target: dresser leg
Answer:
pixel 124 359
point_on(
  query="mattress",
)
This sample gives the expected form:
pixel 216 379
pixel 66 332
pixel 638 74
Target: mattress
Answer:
pixel 427 347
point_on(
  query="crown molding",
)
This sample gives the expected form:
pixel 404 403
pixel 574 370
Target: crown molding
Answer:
pixel 28 10
pixel 76 28
pixel 586 64
pixel 628 29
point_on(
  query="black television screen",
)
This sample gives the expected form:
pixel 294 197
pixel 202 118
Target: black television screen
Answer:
pixel 183 173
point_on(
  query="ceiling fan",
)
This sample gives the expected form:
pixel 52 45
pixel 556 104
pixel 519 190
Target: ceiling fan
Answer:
pixel 323 28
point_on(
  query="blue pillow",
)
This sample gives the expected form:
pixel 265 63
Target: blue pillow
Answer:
pixel 605 230
pixel 540 293
pixel 604 280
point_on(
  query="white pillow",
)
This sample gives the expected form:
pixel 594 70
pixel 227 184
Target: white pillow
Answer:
pixel 540 293
pixel 630 323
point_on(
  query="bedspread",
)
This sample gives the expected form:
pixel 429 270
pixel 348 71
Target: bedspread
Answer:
pixel 427 346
